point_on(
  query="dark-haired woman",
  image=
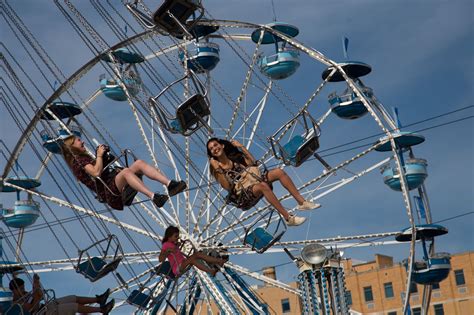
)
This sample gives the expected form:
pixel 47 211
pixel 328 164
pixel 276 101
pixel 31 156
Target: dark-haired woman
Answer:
pixel 85 167
pixel 229 159
pixel 178 261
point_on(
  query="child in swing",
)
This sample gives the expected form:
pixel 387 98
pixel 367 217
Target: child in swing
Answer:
pixel 178 261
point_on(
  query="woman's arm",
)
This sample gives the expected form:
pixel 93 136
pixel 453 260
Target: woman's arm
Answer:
pixel 164 253
pixel 248 156
pixel 219 175
pixel 96 170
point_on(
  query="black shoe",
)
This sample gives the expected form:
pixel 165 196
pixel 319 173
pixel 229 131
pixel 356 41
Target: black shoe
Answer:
pixel 175 187
pixel 102 299
pixel 159 200
pixel 107 308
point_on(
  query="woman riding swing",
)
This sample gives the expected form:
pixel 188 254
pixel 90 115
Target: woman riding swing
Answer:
pixel 86 169
pixel 230 162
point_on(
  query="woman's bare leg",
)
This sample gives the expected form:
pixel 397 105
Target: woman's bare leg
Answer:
pixel 285 180
pixel 195 262
pixel 88 309
pixel 265 190
pixel 149 171
pixel 127 176
pixel 209 259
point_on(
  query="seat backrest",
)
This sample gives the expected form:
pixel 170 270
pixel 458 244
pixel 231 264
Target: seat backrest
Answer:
pixel 189 112
pixel 259 238
pixel 164 269
pixel 181 9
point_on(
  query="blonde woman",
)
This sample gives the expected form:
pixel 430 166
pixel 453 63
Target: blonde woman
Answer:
pixel 85 168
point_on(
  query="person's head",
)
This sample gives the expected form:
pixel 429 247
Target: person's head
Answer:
pixel 17 286
pixel 217 148
pixel 171 234
pixel 72 146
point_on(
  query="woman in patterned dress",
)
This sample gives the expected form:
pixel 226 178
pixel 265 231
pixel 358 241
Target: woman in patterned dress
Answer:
pixel 86 169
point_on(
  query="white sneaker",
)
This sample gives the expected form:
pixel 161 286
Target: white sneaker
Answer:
pixel 293 220
pixel 308 205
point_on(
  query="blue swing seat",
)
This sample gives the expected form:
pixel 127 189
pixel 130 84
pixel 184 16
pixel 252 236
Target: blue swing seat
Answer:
pixel 433 271
pixel 415 174
pixel 96 268
pixel 139 299
pixel 260 239
pixel 204 57
pixel 114 91
pixel 280 65
pixel 25 213
pixel 298 150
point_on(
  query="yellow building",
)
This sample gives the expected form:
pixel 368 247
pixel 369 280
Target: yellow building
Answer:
pixel 376 287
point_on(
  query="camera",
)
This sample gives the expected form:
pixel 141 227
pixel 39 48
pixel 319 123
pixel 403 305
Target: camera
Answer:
pixel 108 156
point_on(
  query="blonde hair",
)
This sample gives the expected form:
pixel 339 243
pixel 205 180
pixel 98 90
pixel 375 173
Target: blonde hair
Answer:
pixel 69 152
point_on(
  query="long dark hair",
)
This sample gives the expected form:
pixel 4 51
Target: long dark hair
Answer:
pixel 230 150
pixel 170 231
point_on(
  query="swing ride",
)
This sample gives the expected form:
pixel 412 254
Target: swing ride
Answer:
pixel 166 90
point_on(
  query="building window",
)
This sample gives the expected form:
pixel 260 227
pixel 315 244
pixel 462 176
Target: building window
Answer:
pixel 416 310
pixel 348 297
pixel 413 288
pixel 435 286
pixel 392 313
pixel 369 297
pixel 285 306
pixel 459 275
pixel 388 290
pixel 438 309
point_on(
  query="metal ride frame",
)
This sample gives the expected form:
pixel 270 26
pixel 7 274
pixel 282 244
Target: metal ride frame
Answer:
pixel 201 234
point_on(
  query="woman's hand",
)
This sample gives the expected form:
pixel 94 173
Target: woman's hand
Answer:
pixel 101 149
pixel 236 143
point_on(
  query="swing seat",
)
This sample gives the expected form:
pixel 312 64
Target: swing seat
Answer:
pixel 165 270
pixel 139 299
pixel 180 9
pixel 415 174
pixel 280 65
pixel 23 215
pixel 298 150
pixel 261 240
pixel 190 116
pixel 128 195
pixel 96 268
pixel 115 92
pixel 204 57
pixel 435 270
pixel 192 111
pixel 241 202
pixel 16 309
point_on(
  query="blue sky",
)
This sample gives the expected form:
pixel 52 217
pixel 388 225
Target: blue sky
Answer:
pixel 421 57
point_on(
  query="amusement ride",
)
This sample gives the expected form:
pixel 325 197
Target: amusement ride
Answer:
pixel 155 89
